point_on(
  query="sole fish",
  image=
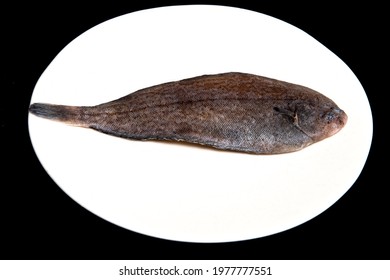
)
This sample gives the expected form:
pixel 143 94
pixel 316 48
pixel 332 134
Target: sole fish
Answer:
pixel 229 111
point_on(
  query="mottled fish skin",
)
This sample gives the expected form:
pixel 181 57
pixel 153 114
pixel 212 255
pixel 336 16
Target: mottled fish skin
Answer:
pixel 229 111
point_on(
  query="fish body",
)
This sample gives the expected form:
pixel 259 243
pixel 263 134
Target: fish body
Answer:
pixel 229 111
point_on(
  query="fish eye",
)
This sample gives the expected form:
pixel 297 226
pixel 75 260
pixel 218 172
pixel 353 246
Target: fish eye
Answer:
pixel 330 116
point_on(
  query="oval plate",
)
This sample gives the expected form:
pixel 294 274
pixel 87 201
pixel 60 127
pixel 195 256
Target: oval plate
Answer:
pixel 185 192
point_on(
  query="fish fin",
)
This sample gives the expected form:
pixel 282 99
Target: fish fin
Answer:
pixel 68 114
pixel 288 113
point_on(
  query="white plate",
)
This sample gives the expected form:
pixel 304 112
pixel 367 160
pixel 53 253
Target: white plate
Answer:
pixel 183 192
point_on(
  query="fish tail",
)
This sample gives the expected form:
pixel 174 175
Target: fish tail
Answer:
pixel 68 114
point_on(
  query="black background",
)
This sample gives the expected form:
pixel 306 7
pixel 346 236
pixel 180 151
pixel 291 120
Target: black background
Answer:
pixel 39 221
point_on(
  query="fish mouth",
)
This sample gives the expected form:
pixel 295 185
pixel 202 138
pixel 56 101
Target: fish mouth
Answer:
pixel 336 119
pixel 343 118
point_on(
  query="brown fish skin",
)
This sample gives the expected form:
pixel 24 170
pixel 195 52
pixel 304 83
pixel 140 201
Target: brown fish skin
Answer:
pixel 229 111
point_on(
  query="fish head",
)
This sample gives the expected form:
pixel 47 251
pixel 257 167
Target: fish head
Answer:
pixel 320 119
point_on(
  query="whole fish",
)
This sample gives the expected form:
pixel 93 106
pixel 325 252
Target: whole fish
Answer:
pixel 229 111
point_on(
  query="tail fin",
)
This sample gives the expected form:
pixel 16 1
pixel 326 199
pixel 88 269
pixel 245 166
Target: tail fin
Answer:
pixel 69 114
